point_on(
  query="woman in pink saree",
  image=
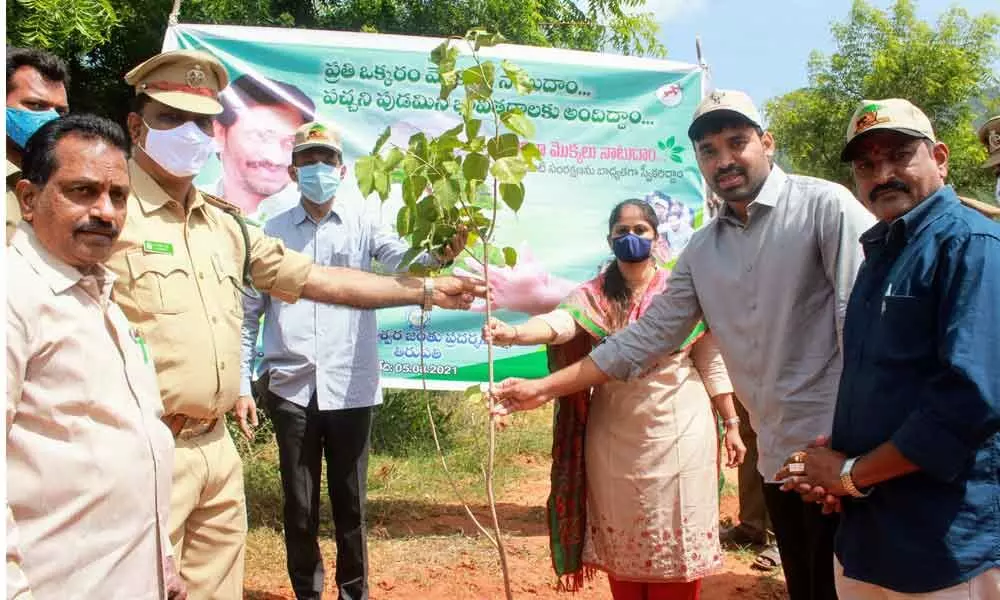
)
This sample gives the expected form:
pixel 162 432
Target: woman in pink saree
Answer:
pixel 635 464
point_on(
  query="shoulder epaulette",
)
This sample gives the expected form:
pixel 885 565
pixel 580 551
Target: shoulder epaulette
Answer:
pixel 221 204
pixel 990 210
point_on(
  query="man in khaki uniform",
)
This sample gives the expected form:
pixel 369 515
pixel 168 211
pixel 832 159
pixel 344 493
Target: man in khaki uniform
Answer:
pixel 184 259
pixel 36 94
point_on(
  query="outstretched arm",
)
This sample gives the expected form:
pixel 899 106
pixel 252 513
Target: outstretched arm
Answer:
pixel 288 275
pixel 350 287
pixel 556 327
pixel 514 394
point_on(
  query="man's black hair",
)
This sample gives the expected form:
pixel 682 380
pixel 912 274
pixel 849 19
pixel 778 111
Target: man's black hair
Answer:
pixel 39 159
pixel 714 122
pixel 51 67
pixel 246 91
pixel 139 102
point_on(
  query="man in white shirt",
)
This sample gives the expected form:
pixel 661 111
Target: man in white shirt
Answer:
pixel 88 459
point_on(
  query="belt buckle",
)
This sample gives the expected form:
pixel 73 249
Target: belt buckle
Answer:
pixel 192 428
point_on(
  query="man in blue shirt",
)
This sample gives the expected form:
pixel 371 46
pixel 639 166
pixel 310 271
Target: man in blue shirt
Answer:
pixel 914 459
pixel 319 370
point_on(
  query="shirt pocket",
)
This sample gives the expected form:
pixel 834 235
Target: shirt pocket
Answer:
pixel 906 329
pixel 162 283
pixel 229 281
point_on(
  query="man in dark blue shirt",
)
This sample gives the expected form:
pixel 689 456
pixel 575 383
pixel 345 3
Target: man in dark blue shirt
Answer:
pixel 914 461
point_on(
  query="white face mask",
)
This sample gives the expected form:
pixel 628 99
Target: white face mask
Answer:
pixel 181 151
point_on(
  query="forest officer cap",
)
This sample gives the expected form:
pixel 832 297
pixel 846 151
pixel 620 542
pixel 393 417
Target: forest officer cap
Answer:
pixel 989 135
pixel 895 114
pixel 318 135
pixel 186 79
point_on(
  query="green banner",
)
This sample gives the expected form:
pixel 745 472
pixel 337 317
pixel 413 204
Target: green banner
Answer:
pixel 609 128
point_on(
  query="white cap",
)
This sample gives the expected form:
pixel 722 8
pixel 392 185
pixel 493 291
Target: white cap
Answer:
pixel 732 101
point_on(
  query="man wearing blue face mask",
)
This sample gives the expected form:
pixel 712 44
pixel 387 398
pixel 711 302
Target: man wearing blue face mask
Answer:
pixel 36 94
pixel 320 369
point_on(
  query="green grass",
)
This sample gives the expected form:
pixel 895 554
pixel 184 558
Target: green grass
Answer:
pixel 407 475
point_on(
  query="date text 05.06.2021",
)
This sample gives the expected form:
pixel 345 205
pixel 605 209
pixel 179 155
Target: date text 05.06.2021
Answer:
pixel 414 368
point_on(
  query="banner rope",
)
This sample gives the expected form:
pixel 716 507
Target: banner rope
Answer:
pixel 172 19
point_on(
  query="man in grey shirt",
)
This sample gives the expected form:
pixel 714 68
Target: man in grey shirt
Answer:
pixel 771 276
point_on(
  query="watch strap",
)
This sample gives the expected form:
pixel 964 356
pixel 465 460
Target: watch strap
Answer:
pixel 428 303
pixel 848 481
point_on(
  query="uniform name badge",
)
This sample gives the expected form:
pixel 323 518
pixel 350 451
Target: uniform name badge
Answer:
pixel 151 247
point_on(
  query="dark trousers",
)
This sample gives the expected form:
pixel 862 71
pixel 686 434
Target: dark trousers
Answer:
pixel 805 542
pixel 753 512
pixel 304 436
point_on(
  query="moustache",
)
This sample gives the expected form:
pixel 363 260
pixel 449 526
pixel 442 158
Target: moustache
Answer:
pixel 254 164
pixel 895 184
pixel 100 228
pixel 730 170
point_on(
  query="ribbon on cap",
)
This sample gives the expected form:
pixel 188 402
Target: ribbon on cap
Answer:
pixel 169 86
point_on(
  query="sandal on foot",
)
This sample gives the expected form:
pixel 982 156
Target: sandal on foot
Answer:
pixel 768 560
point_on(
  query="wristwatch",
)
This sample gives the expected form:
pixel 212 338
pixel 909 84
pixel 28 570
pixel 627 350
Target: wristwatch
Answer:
pixel 428 294
pixel 848 482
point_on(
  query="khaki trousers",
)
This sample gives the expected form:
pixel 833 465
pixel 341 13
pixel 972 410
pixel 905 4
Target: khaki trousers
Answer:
pixel 208 515
pixel 985 586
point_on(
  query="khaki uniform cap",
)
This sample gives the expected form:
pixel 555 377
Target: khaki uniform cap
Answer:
pixel 733 101
pixel 318 135
pixel 894 114
pixel 186 79
pixel 989 135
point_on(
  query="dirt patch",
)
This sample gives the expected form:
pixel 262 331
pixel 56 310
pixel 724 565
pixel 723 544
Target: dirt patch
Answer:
pixel 422 550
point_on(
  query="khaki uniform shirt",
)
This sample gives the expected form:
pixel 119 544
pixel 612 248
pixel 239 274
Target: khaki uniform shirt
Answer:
pixel 13 214
pixel 89 463
pixel 179 279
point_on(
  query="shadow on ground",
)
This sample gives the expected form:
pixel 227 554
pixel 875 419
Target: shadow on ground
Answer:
pixel 397 518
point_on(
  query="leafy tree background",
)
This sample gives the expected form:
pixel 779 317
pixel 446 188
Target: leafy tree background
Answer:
pixel 945 68
pixel 103 39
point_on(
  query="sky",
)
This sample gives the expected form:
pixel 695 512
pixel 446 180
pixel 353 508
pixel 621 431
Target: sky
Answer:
pixel 762 46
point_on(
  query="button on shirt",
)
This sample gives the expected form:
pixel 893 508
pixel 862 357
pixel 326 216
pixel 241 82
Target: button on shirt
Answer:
pixel 179 278
pixel 922 342
pixel 89 462
pixel 774 292
pixel 323 348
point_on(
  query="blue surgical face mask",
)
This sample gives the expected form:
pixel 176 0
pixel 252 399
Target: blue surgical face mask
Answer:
pixel 22 124
pixel 631 248
pixel 319 182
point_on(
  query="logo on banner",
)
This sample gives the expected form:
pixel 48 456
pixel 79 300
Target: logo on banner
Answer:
pixel 418 317
pixel 670 95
